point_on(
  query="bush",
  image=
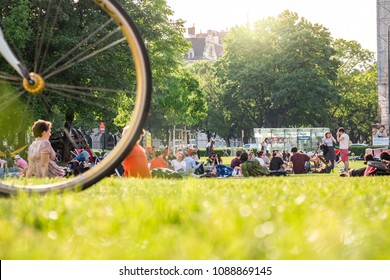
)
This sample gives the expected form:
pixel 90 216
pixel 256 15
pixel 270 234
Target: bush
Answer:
pixel 221 151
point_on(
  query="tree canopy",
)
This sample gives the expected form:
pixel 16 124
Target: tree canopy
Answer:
pixel 287 72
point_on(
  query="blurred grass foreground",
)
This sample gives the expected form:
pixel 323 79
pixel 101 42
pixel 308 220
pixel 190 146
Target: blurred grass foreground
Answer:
pixel 293 217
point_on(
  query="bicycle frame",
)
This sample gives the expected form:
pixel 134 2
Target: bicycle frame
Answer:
pixel 5 50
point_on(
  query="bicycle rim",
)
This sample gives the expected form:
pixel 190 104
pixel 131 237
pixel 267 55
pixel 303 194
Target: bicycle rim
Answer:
pixel 108 67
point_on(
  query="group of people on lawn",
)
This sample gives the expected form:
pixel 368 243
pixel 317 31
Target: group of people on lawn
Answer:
pixel 248 164
pixel 41 159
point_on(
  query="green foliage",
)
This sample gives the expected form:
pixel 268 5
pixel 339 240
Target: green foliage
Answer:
pixel 296 217
pixel 14 116
pixel 183 102
pixel 288 72
pixel 15 22
pixel 274 75
pixel 125 106
pixel 355 105
pixel 220 110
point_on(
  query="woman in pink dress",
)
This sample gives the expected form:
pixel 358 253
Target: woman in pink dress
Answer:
pixel 41 155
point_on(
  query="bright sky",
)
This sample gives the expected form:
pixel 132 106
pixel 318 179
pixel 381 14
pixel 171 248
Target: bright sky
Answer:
pixel 347 19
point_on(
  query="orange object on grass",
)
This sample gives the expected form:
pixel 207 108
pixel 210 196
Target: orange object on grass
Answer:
pixel 136 164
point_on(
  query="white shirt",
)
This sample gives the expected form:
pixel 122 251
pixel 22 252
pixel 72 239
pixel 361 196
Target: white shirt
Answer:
pixel 179 165
pixel 344 141
pixel 260 160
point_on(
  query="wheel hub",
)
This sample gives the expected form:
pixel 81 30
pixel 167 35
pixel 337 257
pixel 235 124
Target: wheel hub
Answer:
pixel 35 85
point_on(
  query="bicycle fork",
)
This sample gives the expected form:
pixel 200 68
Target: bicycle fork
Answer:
pixel 32 82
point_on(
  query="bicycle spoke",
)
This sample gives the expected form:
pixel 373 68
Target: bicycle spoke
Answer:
pixel 75 48
pixel 83 89
pixel 66 66
pixel 47 106
pixel 40 38
pixel 80 93
pixel 89 62
pixel 5 104
pixel 51 32
pixel 9 77
pixel 78 98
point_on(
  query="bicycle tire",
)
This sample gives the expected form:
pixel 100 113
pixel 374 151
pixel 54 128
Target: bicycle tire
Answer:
pixel 136 124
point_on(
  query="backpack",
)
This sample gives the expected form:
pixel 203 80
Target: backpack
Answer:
pixel 223 170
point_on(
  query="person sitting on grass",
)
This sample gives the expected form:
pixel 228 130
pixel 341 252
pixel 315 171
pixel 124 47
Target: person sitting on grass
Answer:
pixel 252 167
pixel 192 164
pixel 214 159
pixel 261 158
pixel 158 161
pixel 236 163
pixel 80 163
pixel 3 163
pixel 136 162
pixel 41 155
pixel 179 164
pixel 299 161
pixel 277 164
pixel 22 165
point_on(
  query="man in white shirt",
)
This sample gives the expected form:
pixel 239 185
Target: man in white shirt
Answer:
pixel 343 140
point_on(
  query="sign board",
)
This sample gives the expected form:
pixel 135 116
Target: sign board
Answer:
pixel 303 138
pixel 148 139
pixel 380 136
pixel 380 141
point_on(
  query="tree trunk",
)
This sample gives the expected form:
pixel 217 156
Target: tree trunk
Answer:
pixel 66 155
pixel 21 138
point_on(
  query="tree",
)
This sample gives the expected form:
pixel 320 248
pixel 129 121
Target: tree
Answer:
pixel 355 105
pixel 279 73
pixel 69 21
pixel 219 111
pixel 183 102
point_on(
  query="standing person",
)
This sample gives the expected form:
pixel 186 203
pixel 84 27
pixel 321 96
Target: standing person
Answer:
pixel 41 155
pixel 343 139
pixel 212 144
pixel 264 144
pixel 329 153
pixel 136 162
pixel 208 148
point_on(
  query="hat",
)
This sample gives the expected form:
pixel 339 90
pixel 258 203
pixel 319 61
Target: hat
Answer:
pixel 17 157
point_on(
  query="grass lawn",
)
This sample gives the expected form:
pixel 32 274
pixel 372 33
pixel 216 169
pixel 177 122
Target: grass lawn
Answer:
pixel 321 216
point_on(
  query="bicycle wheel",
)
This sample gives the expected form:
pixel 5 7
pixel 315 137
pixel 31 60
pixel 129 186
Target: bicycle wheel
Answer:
pixel 94 68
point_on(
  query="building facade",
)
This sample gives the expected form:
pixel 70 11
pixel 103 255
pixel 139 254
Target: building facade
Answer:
pixel 383 30
pixel 204 46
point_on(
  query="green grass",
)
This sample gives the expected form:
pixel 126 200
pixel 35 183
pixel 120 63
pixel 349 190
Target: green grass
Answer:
pixel 321 216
